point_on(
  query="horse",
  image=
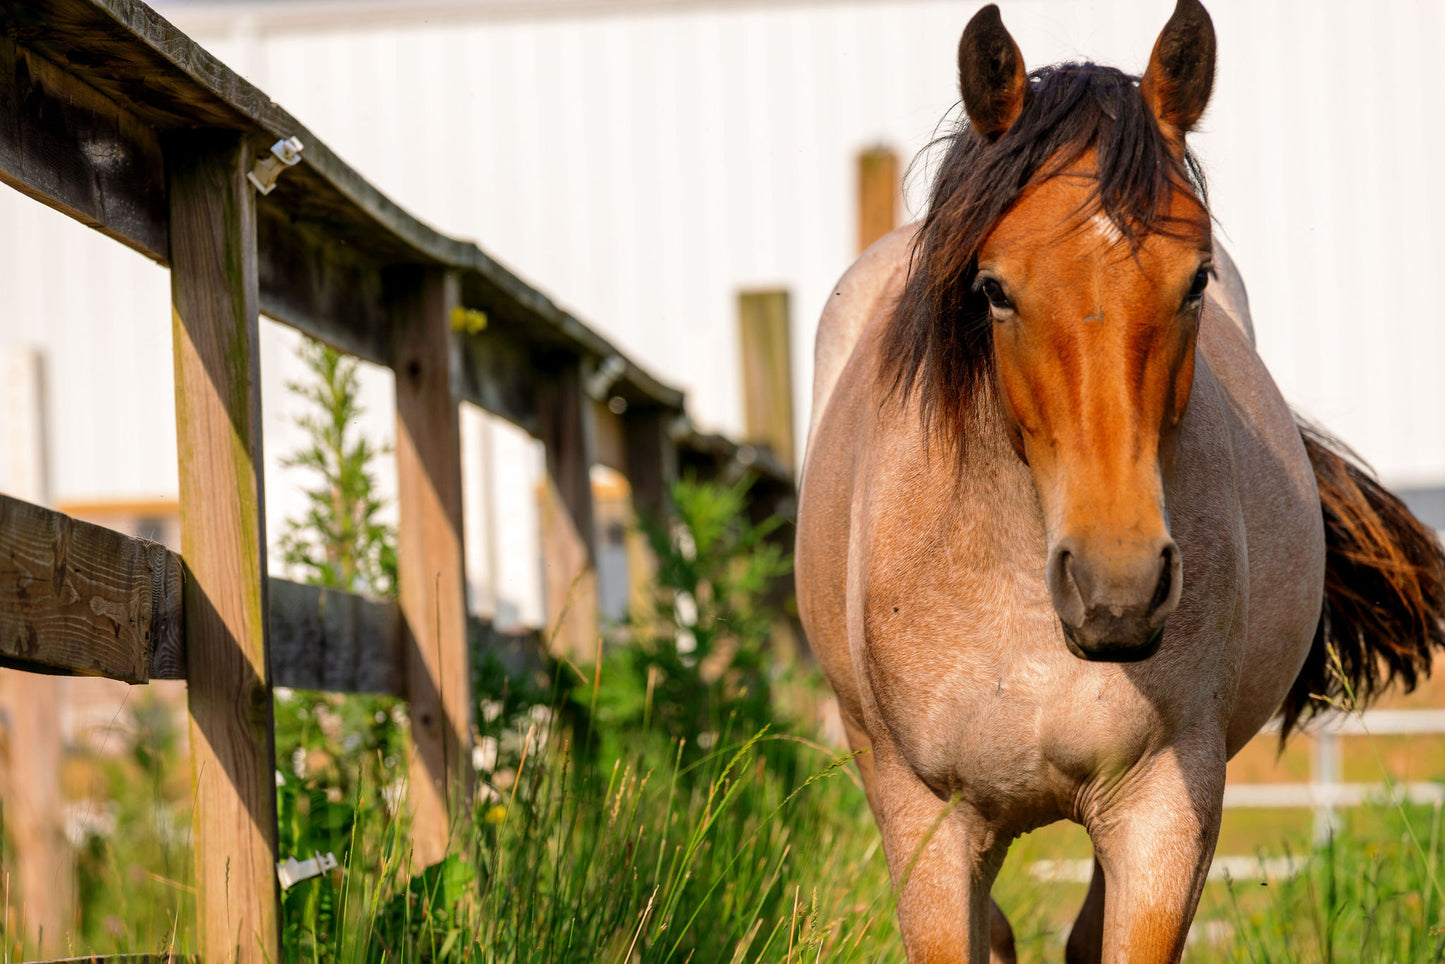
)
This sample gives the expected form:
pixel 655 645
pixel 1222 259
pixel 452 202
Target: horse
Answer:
pixel 1062 547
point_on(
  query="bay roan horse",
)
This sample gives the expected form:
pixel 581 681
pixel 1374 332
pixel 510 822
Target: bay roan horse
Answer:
pixel 1062 547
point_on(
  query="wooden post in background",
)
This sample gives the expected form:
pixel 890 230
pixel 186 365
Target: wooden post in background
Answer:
pixel 569 538
pixel 431 579
pixel 651 463
pixel 30 781
pixel 768 394
pixel 214 326
pixel 767 366
pixel 651 460
pixel 878 190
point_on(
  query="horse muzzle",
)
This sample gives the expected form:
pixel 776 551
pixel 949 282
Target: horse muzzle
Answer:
pixel 1112 605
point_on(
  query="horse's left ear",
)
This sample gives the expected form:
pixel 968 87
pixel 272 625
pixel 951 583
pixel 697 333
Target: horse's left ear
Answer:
pixel 991 74
pixel 1180 76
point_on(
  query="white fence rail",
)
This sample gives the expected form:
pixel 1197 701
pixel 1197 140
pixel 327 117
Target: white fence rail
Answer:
pixel 1325 793
pixel 1383 723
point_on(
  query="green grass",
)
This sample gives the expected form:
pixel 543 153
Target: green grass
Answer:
pixel 759 849
pixel 763 850
pixel 1366 896
pixel 134 882
pixel 660 808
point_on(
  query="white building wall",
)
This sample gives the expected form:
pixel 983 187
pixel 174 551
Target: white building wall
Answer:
pixel 643 165
pixel 642 162
pixel 100 315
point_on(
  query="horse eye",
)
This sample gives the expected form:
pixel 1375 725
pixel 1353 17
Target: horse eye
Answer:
pixel 1196 290
pixel 993 291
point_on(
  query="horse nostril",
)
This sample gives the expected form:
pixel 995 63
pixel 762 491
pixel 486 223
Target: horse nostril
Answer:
pixel 1161 603
pixel 1079 576
pixel 1064 587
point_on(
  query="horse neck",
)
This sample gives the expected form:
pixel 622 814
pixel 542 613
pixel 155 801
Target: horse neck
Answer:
pixel 972 472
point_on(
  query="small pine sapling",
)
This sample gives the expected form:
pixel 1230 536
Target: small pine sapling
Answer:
pixel 340 542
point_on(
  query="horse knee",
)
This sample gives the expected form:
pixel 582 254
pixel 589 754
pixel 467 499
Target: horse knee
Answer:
pixel 1000 937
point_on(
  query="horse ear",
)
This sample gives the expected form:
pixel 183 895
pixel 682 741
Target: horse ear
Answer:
pixel 1180 75
pixel 991 74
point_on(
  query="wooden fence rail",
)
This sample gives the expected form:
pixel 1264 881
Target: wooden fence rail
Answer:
pixel 59 607
pixel 112 116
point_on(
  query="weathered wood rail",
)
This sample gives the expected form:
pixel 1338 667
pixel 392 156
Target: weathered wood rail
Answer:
pixel 112 116
pixel 81 600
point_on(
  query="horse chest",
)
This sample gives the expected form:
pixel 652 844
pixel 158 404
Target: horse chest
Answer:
pixel 969 675
pixel 1017 732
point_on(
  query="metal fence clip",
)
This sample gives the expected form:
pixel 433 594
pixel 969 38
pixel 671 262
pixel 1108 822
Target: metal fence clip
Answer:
pixel 293 871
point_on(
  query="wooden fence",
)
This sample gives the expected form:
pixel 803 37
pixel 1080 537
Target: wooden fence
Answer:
pixel 112 116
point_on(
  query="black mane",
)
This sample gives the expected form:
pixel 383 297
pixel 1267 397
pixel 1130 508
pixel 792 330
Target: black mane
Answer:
pixel 940 339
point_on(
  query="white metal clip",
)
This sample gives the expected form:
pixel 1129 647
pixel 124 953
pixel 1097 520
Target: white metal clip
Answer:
pixel 284 153
pixel 600 382
pixel 293 871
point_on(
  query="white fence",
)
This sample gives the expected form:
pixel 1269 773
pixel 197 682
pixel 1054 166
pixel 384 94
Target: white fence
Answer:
pixel 1325 793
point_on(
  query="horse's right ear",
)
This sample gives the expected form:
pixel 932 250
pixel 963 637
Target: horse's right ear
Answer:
pixel 1177 83
pixel 991 74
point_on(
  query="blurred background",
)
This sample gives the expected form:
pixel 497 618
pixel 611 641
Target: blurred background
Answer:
pixel 660 167
pixel 646 161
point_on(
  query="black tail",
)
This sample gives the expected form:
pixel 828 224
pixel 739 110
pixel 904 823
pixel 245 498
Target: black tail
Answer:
pixel 1384 609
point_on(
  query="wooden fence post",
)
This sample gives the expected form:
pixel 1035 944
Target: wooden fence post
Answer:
pixel 651 460
pixel 431 579
pixel 878 190
pixel 569 552
pixel 214 323
pixel 767 364
pixel 30 776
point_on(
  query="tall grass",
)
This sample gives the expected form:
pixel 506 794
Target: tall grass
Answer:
pixel 134 867
pixel 757 849
pixel 1364 895
pixel 733 858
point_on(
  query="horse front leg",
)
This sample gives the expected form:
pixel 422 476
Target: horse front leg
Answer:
pixel 943 861
pixel 1155 844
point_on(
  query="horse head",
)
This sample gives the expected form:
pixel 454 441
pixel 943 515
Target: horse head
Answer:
pixel 1059 278
pixel 1095 308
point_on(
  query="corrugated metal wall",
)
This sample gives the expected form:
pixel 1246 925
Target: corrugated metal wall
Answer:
pixel 644 163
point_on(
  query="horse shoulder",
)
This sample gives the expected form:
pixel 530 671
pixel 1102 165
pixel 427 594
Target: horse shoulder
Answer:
pixel 828 502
